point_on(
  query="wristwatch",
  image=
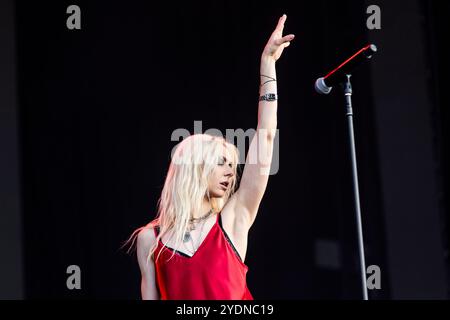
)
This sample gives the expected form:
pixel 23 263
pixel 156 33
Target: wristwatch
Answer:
pixel 269 97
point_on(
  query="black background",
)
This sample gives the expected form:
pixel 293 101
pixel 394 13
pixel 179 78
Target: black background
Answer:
pixel 98 106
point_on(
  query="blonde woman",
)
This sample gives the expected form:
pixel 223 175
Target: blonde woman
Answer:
pixel 195 248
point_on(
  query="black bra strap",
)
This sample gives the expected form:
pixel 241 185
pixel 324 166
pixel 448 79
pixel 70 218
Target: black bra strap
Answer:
pixel 228 238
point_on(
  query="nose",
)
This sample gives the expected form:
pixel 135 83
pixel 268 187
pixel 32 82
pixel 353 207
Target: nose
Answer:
pixel 229 172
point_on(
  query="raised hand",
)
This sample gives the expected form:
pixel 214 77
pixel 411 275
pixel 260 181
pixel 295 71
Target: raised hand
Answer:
pixel 276 44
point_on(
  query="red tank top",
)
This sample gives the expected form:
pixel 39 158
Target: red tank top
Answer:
pixel 214 272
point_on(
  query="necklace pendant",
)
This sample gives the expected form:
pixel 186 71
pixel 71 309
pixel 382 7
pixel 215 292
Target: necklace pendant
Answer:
pixel 187 237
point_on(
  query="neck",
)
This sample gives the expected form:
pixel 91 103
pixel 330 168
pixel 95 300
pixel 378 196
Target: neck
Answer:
pixel 206 206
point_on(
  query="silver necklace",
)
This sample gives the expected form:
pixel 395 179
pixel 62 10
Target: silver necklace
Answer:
pixel 192 225
pixel 198 241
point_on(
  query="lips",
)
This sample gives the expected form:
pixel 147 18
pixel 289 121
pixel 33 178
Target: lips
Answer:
pixel 224 184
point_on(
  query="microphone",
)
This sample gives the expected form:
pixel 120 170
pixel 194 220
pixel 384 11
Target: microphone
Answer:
pixel 325 84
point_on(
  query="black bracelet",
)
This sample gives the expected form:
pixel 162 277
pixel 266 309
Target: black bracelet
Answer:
pixel 267 82
pixel 271 79
pixel 268 77
pixel 269 97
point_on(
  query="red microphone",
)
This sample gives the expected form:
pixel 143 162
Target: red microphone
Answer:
pixel 325 84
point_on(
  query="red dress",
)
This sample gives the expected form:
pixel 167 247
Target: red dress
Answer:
pixel 214 272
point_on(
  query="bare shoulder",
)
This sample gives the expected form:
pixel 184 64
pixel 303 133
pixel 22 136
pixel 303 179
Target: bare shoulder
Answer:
pixel 145 239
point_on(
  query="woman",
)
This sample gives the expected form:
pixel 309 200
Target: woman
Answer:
pixel 196 247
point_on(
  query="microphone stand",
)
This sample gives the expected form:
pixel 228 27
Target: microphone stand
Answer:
pixel 349 113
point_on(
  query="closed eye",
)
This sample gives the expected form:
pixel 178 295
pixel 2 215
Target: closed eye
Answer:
pixel 223 160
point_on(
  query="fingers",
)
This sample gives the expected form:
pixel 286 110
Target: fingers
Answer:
pixel 287 38
pixel 280 25
pixel 284 45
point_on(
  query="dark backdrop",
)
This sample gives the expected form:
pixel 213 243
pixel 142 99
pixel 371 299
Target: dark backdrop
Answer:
pixel 98 106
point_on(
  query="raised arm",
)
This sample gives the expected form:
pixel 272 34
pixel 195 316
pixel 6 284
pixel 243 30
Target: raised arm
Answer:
pixel 257 166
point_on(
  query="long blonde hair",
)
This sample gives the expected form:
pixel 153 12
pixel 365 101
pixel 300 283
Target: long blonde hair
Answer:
pixel 186 185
